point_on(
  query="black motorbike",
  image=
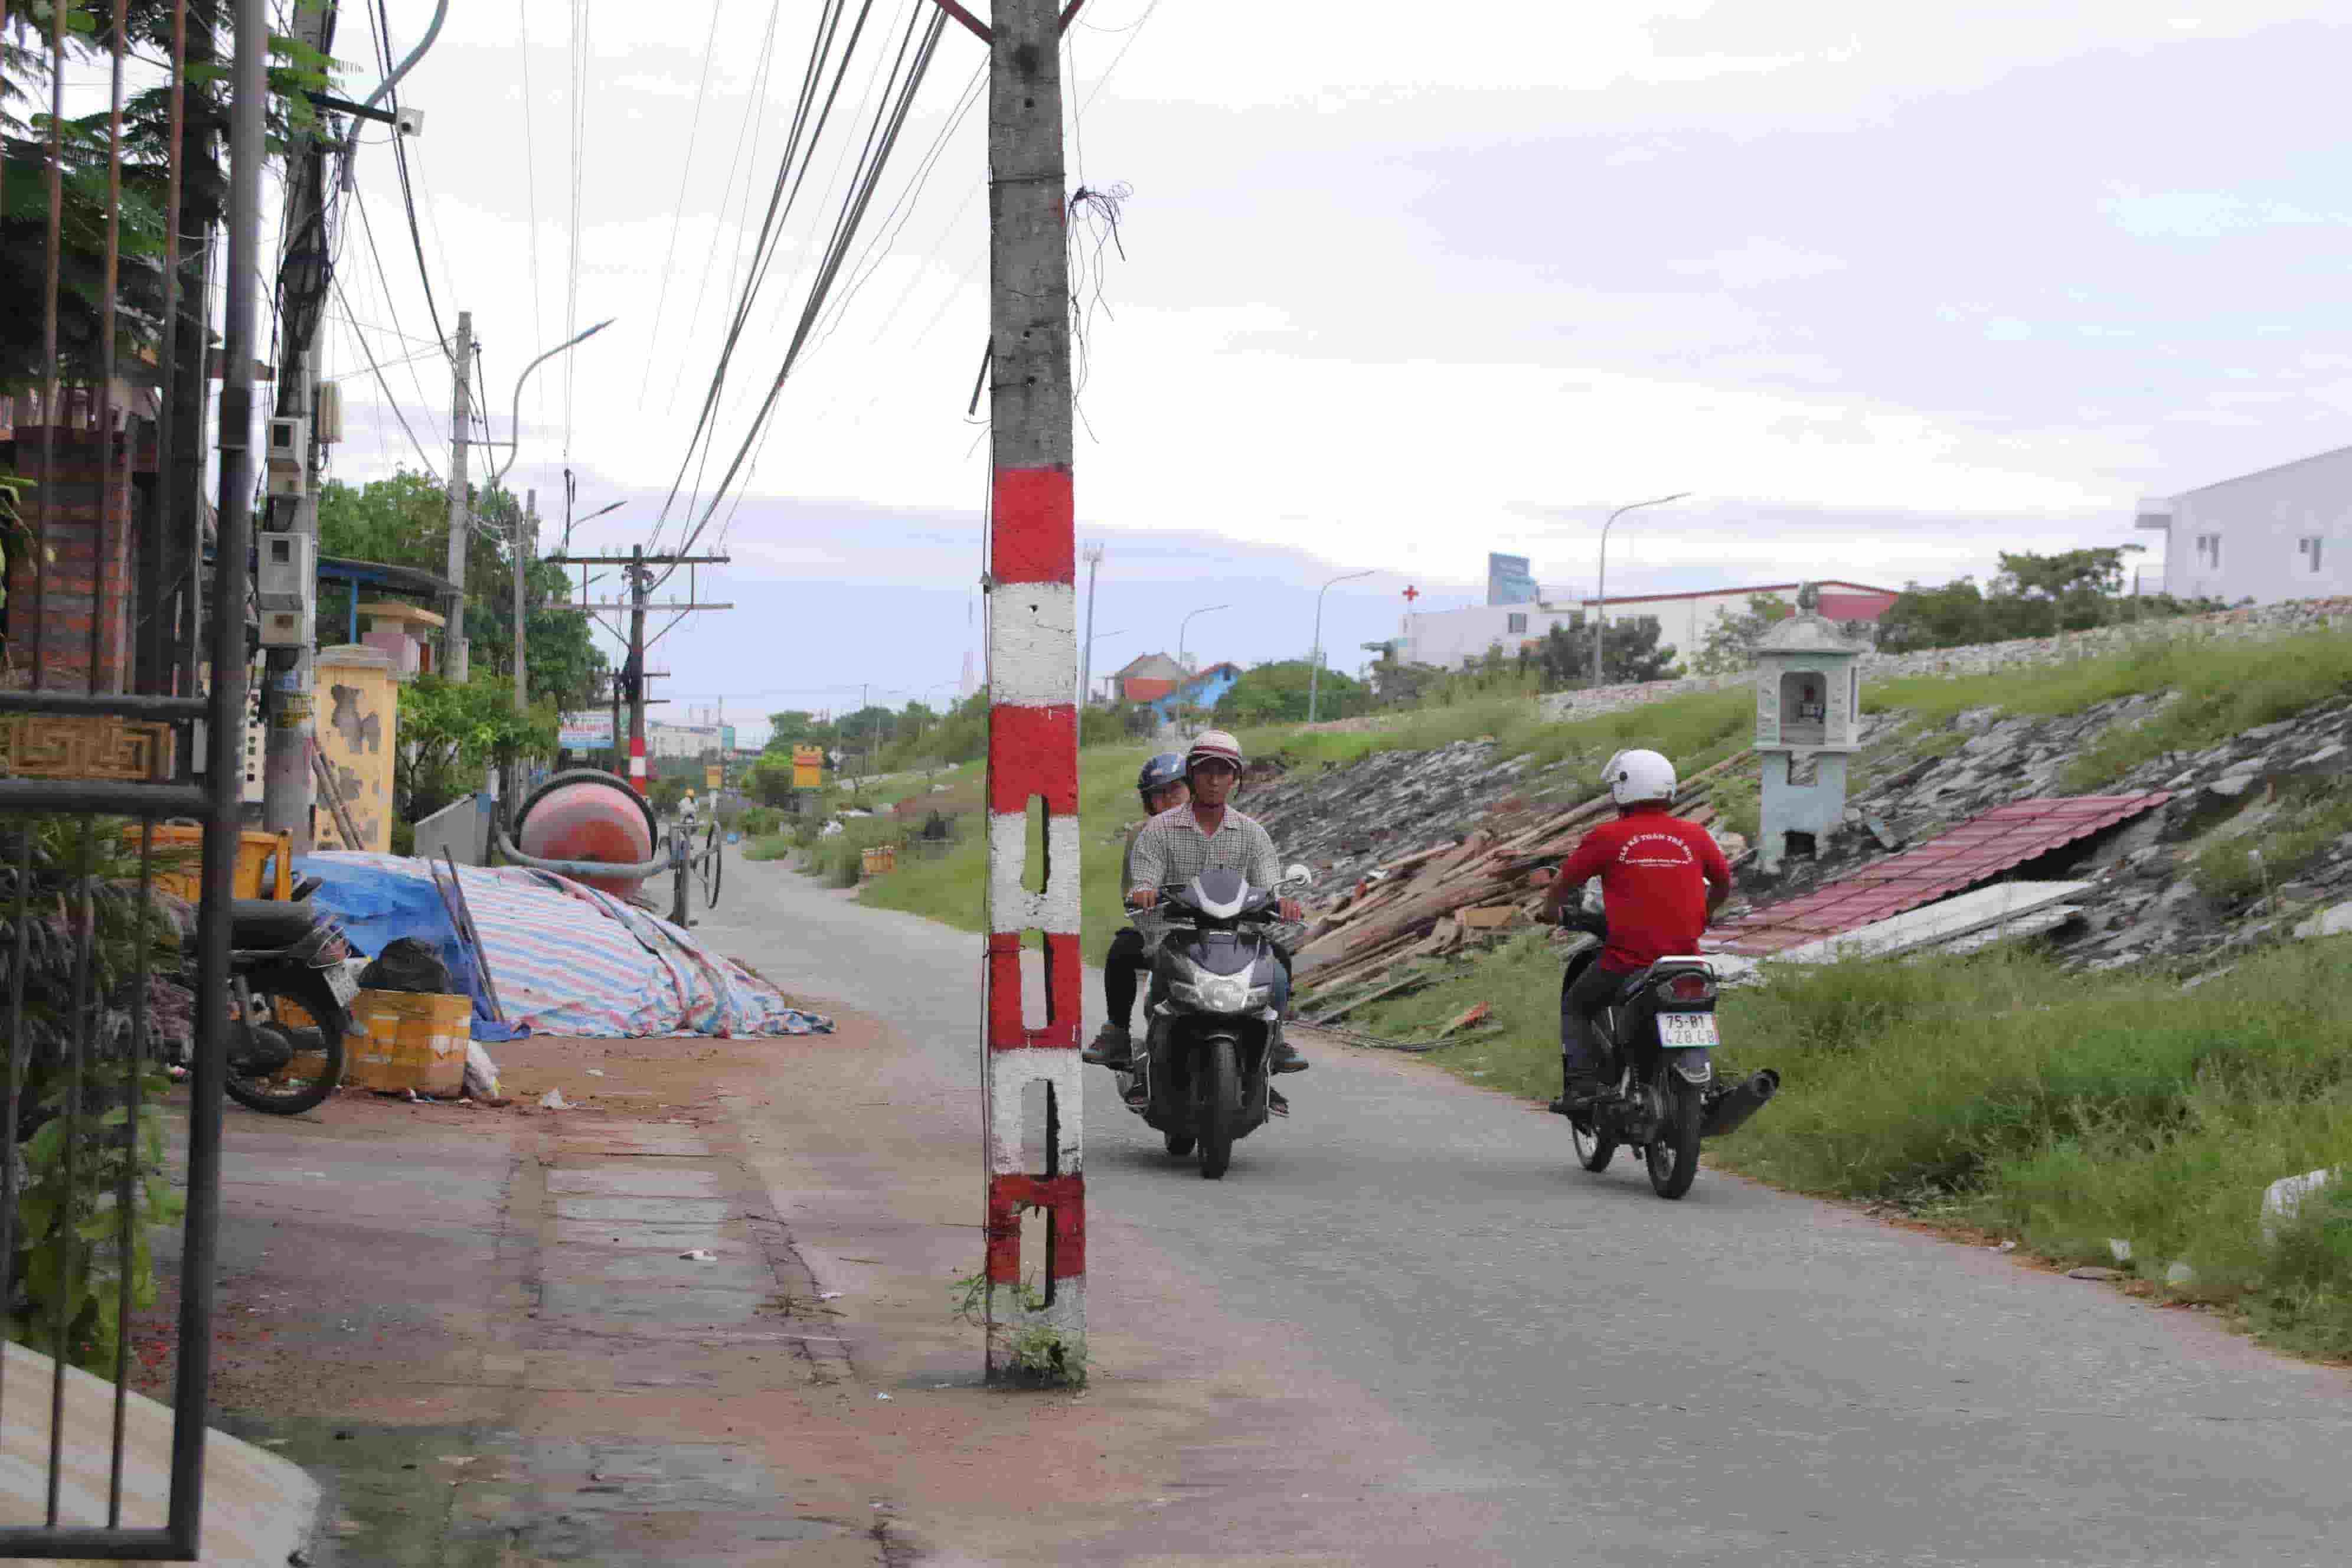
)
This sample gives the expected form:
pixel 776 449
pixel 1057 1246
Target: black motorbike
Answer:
pixel 1657 1036
pixel 1201 1077
pixel 290 1000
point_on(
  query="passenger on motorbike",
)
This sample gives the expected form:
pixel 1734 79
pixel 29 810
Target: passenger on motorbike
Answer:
pixel 1204 834
pixel 1662 879
pixel 1160 786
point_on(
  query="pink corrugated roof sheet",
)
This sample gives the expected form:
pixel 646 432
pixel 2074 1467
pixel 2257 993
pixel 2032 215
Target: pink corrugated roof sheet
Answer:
pixel 1976 851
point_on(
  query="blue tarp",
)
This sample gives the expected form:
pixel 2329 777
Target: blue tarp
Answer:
pixel 374 909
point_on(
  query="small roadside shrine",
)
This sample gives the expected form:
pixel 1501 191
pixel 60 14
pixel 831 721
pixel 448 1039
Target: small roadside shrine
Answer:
pixel 1808 724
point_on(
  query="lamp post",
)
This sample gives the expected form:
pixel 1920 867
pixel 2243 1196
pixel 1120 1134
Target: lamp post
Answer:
pixel 1184 626
pixel 1315 655
pixel 1601 593
pixel 514 418
pixel 1085 696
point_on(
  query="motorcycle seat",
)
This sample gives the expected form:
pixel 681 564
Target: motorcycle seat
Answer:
pixel 267 923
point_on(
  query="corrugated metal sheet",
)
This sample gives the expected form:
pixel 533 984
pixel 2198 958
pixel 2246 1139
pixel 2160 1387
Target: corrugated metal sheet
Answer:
pixel 1976 851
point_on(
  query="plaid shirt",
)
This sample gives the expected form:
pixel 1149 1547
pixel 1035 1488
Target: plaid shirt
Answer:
pixel 1171 847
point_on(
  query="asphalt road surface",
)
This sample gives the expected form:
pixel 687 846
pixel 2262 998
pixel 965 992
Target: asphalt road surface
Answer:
pixel 1556 1367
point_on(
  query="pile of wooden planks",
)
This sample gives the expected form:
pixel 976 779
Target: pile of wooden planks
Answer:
pixel 1434 899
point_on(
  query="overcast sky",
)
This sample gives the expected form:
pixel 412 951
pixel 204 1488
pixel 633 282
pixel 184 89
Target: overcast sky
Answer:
pixel 1890 288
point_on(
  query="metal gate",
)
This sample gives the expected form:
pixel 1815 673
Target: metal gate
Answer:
pixel 121 706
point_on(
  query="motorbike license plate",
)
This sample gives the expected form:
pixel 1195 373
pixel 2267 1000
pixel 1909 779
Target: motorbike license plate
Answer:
pixel 1679 1029
pixel 339 982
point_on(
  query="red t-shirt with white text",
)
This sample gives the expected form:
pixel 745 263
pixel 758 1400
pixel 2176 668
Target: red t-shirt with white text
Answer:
pixel 1654 869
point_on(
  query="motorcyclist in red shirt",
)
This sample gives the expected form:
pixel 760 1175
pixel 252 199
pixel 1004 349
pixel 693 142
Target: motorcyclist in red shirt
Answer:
pixel 1662 878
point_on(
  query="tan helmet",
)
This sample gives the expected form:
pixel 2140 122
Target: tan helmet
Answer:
pixel 1212 745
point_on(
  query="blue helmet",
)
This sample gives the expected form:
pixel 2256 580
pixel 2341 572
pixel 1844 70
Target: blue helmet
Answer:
pixel 1162 770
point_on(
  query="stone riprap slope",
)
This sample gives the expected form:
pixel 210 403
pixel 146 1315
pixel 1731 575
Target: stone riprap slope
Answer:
pixel 2158 896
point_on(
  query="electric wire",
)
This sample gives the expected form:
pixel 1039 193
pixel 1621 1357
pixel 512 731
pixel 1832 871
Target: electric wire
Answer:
pixel 684 173
pixel 407 193
pixel 881 142
pixel 782 197
pixel 530 186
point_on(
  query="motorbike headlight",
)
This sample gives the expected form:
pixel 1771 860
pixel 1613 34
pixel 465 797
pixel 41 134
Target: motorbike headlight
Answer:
pixel 1219 993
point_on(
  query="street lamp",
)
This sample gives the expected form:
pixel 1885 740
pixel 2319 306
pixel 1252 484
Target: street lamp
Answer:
pixel 1085 696
pixel 1183 625
pixel 1601 593
pixel 514 420
pixel 1315 656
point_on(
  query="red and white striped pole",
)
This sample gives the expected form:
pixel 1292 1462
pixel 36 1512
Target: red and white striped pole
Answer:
pixel 1033 724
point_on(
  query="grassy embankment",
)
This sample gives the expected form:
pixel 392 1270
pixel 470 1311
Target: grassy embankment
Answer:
pixel 1996 1094
pixel 953 889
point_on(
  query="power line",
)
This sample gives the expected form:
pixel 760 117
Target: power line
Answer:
pixel 781 199
pixel 530 181
pixel 407 195
pixel 881 139
pixel 579 47
pixel 386 387
pixel 684 173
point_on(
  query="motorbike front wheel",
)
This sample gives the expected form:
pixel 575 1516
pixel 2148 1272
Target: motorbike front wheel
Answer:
pixel 1673 1153
pixel 1218 1096
pixel 299 1005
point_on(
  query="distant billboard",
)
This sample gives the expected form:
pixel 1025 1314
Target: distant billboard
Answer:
pixel 585 733
pixel 1508 579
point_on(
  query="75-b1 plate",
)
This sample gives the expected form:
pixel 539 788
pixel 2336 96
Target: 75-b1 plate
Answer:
pixel 1676 1030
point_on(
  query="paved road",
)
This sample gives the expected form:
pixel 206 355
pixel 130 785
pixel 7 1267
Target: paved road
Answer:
pixel 1559 1367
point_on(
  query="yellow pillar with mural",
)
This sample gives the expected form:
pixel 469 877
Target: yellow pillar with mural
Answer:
pixel 358 726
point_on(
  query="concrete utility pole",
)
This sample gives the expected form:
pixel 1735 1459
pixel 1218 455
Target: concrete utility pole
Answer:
pixel 287 702
pixel 1094 554
pixel 1315 658
pixel 461 504
pixel 633 675
pixel 526 544
pixel 1600 590
pixel 1032 752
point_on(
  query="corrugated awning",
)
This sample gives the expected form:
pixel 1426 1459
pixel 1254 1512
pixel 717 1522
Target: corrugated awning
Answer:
pixel 1976 851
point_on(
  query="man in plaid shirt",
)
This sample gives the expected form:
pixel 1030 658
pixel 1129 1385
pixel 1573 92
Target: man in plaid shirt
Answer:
pixel 1205 835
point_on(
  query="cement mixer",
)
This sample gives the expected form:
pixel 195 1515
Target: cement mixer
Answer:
pixel 594 827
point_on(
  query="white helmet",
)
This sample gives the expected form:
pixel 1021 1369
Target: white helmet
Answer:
pixel 1635 777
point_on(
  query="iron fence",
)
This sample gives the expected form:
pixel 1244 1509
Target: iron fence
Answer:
pixel 110 725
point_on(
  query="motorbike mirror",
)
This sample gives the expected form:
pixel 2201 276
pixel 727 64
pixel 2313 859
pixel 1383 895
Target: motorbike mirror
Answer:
pixel 1295 875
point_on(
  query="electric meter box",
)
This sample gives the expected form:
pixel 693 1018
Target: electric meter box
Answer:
pixel 330 411
pixel 286 572
pixel 287 628
pixel 288 486
pixel 290 444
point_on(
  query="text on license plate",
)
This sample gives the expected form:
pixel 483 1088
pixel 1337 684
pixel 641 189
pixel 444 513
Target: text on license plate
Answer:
pixel 1687 1029
pixel 339 982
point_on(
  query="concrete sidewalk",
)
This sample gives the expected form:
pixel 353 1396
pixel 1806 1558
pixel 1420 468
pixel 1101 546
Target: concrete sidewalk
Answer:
pixel 476 1328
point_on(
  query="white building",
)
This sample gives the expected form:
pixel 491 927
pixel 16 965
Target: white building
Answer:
pixel 1450 638
pixel 2282 533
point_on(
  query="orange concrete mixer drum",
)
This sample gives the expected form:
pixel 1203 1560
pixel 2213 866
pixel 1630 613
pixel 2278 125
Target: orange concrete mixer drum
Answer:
pixel 587 814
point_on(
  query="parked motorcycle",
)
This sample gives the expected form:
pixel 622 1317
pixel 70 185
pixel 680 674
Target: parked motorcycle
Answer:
pixel 1213 1024
pixel 1657 1036
pixel 289 999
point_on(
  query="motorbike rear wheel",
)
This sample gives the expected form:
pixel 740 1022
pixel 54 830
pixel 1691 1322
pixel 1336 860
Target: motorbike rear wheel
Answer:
pixel 1673 1153
pixel 316 1068
pixel 1218 1097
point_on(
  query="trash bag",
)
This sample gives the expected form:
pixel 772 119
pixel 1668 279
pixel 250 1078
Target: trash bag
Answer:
pixel 407 963
pixel 481 1073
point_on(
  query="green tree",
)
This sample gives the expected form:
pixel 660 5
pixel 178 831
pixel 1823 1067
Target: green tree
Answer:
pixel 404 520
pixel 450 732
pixel 24 66
pixel 1276 693
pixel 1731 641
pixel 796 727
